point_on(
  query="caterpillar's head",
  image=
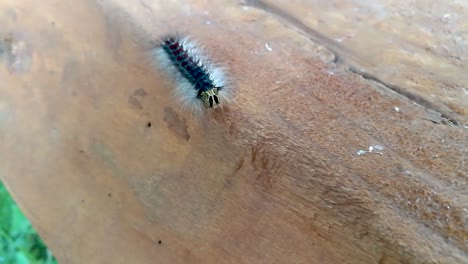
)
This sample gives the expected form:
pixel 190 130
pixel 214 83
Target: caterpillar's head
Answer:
pixel 210 97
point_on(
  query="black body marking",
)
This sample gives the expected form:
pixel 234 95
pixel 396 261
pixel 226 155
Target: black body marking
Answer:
pixel 188 67
pixel 199 82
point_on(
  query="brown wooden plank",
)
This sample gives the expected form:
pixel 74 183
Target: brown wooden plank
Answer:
pixel 275 178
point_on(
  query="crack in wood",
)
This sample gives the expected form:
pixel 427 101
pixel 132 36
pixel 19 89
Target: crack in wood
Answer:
pixel 312 34
pixel 403 92
pixel 339 50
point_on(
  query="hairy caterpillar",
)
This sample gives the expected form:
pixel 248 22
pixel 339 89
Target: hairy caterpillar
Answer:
pixel 200 84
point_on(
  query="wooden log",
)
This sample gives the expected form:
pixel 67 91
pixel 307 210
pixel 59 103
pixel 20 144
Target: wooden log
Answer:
pixel 109 168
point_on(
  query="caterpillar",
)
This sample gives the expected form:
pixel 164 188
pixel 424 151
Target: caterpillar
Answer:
pixel 200 84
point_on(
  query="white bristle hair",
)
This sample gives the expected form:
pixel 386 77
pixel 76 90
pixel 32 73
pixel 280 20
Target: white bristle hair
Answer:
pixel 195 60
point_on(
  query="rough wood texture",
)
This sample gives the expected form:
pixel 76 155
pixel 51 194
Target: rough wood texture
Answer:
pixel 101 159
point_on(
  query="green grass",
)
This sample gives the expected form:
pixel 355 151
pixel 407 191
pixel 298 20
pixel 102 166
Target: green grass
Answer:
pixel 19 242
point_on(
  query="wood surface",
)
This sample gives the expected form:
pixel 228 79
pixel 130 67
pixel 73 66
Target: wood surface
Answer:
pixel 109 168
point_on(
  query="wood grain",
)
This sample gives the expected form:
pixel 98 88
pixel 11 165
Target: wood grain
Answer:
pixel 109 169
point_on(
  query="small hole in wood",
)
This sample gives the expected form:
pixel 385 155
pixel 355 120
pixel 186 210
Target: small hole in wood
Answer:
pixel 149 124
